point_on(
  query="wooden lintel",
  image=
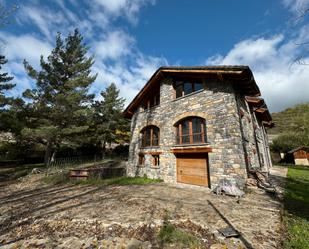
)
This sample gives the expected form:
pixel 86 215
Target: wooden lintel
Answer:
pixel 191 150
pixel 152 152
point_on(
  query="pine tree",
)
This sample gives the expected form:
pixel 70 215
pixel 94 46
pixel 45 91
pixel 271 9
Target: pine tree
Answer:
pixel 109 123
pixel 4 84
pixel 59 106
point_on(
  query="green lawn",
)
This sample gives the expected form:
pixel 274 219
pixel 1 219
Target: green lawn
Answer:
pixel 63 178
pixel 296 205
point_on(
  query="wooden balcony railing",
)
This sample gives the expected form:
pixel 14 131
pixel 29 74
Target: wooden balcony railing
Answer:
pixel 149 142
pixel 194 138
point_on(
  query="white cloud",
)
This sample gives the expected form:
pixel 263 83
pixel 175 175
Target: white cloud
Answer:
pixel 43 18
pixel 18 48
pixel 29 47
pixel 114 45
pixel 117 58
pixel 129 79
pixel 296 6
pixel 270 59
pixel 127 8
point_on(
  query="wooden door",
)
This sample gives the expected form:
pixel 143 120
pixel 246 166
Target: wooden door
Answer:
pixel 192 169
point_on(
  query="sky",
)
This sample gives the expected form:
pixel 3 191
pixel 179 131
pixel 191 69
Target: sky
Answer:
pixel 130 39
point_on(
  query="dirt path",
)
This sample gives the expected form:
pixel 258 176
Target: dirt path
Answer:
pixel 30 211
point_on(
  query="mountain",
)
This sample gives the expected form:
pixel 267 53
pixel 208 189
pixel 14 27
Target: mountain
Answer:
pixel 293 119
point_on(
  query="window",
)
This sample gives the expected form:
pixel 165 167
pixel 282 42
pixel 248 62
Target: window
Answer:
pixel 151 102
pixel 141 159
pixel 191 130
pixel 150 136
pixel 156 160
pixel 183 88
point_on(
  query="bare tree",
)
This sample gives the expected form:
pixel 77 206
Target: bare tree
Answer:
pixel 5 13
pixel 302 58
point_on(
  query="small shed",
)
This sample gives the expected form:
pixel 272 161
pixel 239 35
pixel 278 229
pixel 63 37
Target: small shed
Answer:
pixel 301 155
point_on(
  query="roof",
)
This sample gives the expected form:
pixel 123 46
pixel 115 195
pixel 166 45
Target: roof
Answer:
pixel 305 148
pixel 240 76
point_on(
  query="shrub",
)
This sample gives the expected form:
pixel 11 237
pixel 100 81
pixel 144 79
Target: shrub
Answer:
pixel 171 234
pixel 289 141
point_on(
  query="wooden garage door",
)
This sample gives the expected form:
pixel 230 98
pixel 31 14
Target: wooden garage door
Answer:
pixel 192 169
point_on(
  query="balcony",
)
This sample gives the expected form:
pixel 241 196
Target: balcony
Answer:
pixel 144 143
pixel 194 138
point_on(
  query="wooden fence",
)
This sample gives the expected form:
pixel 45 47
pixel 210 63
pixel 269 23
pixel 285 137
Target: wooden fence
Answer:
pixel 70 161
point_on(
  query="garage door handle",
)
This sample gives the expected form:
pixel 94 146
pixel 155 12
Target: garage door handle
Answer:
pixel 180 171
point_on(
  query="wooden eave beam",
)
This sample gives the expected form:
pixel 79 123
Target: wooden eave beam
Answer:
pixel 268 124
pixel 261 110
pixel 136 101
pixel 202 71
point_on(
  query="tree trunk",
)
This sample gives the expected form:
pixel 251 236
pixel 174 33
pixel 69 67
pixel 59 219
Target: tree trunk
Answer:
pixel 52 159
pixel 103 144
pixel 47 154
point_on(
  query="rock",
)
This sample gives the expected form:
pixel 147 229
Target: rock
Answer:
pixel 36 171
pixel 71 242
pixel 218 236
pixel 217 246
pixel 134 244
pixel 29 243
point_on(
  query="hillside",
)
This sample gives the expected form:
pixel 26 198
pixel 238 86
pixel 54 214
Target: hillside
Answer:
pixel 294 119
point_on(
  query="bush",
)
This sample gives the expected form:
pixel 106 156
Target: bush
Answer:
pixel 289 141
pixel 171 234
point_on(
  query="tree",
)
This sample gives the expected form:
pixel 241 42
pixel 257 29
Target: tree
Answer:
pixel 59 105
pixel 7 120
pixel 289 141
pixel 108 123
pixel 293 126
pixel 4 84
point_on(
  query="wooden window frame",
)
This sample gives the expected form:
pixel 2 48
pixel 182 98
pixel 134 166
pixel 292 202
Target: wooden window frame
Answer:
pixel 182 83
pixel 154 99
pixel 141 159
pixel 156 160
pixel 151 138
pixel 179 131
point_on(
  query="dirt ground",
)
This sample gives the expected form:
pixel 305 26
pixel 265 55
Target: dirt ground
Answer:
pixel 37 215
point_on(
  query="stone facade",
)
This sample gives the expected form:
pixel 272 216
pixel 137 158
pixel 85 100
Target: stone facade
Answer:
pixel 234 134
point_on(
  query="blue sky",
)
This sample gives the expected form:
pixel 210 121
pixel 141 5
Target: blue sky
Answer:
pixel 132 38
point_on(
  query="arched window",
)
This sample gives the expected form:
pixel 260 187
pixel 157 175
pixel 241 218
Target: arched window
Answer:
pixel 150 136
pixel 191 130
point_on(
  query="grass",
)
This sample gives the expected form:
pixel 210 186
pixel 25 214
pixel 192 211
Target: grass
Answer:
pixel 171 234
pixel 63 178
pixel 296 205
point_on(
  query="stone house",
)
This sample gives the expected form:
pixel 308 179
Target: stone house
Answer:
pixel 199 126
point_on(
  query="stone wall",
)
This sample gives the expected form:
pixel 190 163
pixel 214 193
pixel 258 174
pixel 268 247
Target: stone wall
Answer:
pixel 217 104
pixel 255 139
